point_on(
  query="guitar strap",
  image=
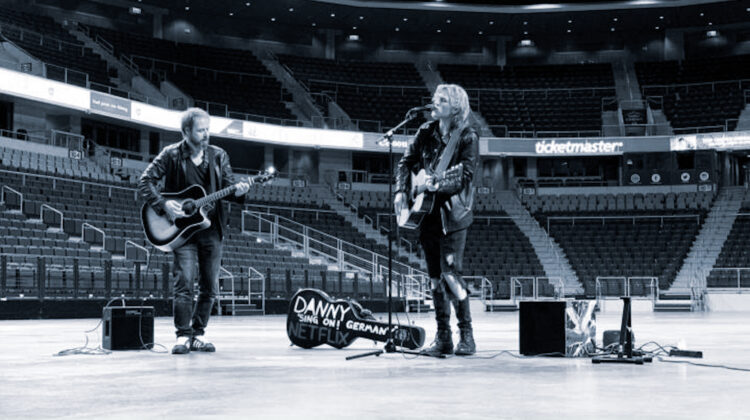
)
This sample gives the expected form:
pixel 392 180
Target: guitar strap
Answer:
pixel 447 155
pixel 211 168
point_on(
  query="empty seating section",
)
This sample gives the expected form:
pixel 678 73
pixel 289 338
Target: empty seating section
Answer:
pixel 496 248
pixel 115 210
pixel 706 92
pixel 618 204
pixel 48 41
pixel 521 100
pixel 226 76
pixel 365 90
pixel 623 235
pixel 731 267
pixel 63 167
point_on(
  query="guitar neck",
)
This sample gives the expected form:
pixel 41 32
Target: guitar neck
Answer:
pixel 218 195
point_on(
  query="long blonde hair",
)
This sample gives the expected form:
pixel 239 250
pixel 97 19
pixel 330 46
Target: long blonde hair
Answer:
pixel 458 99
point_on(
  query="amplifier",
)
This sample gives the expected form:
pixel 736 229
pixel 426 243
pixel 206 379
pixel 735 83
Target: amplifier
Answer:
pixel 128 327
pixel 558 328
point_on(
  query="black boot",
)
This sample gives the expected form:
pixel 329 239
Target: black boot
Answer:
pixel 466 345
pixel 442 345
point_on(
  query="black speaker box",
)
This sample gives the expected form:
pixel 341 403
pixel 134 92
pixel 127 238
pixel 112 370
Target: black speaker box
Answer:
pixel 128 327
pixel 541 328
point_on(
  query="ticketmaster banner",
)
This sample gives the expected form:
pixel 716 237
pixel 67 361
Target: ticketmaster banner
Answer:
pixel 593 146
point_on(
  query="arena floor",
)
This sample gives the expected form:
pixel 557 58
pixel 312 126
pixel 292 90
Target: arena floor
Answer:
pixel 256 373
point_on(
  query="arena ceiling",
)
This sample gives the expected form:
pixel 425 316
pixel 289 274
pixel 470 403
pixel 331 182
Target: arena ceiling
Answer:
pixel 458 21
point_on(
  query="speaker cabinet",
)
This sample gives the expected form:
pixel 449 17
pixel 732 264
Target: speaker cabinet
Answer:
pixel 128 327
pixel 557 328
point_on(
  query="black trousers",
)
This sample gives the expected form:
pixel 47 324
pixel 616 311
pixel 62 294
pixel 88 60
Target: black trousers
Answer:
pixel 444 256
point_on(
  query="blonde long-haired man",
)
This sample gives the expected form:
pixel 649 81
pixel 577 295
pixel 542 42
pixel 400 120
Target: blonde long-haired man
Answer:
pixel 442 232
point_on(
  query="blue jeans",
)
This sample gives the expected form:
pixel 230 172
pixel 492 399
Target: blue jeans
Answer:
pixel 199 257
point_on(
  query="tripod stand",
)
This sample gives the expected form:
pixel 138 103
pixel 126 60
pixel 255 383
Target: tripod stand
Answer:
pixel 390 345
pixel 625 351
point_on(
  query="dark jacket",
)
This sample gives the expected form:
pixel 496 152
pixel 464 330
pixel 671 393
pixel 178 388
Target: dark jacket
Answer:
pixel 169 165
pixel 455 198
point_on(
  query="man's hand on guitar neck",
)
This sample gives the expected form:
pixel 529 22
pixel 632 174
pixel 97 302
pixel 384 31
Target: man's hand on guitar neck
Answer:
pixel 432 183
pixel 243 187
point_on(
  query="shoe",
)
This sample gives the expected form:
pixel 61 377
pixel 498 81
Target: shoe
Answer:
pixel 441 346
pixel 181 347
pixel 197 345
pixel 466 346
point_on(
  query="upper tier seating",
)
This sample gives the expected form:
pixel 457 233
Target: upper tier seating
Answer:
pixel 526 99
pixel 46 40
pixel 222 75
pixel 365 90
pixel 718 98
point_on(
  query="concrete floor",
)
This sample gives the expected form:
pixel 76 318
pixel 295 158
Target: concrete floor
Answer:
pixel 256 373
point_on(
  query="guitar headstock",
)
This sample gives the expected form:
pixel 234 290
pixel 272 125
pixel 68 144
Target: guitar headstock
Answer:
pixel 264 177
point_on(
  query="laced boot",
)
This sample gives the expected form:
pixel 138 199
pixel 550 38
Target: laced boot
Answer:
pixel 442 345
pixel 466 346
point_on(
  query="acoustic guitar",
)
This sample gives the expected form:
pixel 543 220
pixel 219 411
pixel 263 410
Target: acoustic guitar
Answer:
pixel 420 201
pixel 166 234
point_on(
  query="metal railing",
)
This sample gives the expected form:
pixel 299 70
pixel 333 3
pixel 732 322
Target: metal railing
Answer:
pixel 131 244
pixel 52 209
pixel 223 275
pixel 625 285
pixel 520 285
pixel 738 271
pixel 553 133
pixel 20 196
pixel 96 229
pixel 255 275
pixel 632 218
pixel 322 245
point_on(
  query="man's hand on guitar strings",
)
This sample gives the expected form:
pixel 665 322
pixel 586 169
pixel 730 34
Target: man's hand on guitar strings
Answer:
pixel 174 209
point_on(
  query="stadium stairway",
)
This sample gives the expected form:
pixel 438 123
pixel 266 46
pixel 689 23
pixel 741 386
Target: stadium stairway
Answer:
pixel 432 79
pixel 707 245
pixel 744 119
pixel 553 258
pixel 303 106
pixel 339 207
pixel 128 77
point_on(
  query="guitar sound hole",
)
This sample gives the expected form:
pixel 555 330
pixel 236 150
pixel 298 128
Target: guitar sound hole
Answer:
pixel 188 206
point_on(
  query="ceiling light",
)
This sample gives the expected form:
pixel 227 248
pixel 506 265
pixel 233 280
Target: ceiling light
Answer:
pixel 525 22
pixel 247 3
pixel 492 22
pixel 657 28
pixel 709 23
pixel 406 19
pixel 568 30
pixel 701 13
pixel 570 21
pixel 361 18
pixel 291 9
pixel 397 29
pixel 273 19
pixel 525 32
pixel 612 29
pixel 481 32
pixel 447 21
pixel 333 14
pixel 231 13
pixel 187 7
pixel 712 34
pixel 314 24
pixel 353 37
pixel 526 43
pixel 438 31
pixel 661 17
pixel 615 19
pixel 354 28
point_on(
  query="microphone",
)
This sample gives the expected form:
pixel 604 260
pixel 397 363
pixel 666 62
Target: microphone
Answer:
pixel 416 109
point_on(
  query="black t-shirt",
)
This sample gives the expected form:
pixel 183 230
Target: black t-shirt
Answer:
pixel 199 175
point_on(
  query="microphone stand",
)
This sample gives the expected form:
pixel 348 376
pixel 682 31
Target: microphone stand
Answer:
pixel 390 346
